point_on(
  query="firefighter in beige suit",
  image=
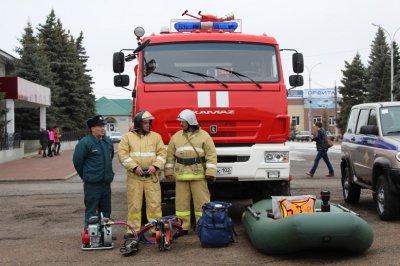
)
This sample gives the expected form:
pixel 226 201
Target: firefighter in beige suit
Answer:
pixel 191 152
pixel 142 152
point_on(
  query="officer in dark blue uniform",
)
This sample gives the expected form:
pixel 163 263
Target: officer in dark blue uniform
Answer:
pixel 93 161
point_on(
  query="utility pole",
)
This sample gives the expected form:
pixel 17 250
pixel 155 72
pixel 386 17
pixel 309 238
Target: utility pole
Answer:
pixel 309 95
pixel 335 122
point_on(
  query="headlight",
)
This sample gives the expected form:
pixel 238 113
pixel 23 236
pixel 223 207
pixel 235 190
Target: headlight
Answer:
pixel 276 157
pixel 398 156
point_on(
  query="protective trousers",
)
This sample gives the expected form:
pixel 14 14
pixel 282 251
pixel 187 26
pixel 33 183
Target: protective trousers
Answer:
pixel 184 192
pixel 97 198
pixel 152 193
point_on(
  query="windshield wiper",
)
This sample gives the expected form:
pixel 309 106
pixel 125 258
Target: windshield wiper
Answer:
pixel 172 77
pixel 205 76
pixel 240 75
pixel 393 132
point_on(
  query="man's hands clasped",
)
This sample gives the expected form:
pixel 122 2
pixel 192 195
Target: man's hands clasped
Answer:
pixel 139 170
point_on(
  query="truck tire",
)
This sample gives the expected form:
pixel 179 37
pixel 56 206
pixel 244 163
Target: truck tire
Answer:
pixel 386 202
pixel 351 191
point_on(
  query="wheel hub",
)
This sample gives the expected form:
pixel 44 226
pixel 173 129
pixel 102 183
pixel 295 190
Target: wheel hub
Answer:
pixel 381 199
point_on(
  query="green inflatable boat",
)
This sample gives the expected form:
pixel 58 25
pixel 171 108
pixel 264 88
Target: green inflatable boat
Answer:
pixel 338 229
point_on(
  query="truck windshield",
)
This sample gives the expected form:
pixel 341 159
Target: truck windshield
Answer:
pixel 390 120
pixel 225 62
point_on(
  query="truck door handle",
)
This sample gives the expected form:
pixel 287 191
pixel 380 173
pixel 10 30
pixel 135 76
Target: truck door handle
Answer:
pixel 353 139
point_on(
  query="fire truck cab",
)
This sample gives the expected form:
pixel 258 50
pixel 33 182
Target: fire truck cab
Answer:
pixel 235 85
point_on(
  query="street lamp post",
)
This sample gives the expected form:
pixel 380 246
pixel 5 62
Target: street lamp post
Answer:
pixel 309 94
pixel 391 56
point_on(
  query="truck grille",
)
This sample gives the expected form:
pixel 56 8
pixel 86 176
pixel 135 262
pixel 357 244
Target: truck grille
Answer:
pixel 232 158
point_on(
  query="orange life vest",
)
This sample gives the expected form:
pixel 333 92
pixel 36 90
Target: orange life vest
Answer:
pixel 291 207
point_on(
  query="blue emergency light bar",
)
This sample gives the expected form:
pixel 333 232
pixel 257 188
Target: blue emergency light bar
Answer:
pixel 214 26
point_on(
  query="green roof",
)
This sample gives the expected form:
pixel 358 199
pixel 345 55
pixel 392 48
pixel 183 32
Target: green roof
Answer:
pixel 105 106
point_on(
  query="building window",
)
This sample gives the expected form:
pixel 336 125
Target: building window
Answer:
pixel 316 119
pixel 331 120
pixel 295 120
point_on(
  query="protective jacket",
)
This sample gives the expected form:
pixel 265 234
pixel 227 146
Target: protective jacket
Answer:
pixel 141 150
pixel 93 159
pixel 188 165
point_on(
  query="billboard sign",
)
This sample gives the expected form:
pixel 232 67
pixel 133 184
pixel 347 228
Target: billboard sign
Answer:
pixel 319 93
pixel 320 103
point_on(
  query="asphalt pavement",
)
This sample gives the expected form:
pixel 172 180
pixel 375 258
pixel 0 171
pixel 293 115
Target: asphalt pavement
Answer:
pixel 33 167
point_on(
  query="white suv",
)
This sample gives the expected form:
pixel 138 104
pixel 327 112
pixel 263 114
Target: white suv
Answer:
pixel 115 136
pixel 371 156
pixel 303 136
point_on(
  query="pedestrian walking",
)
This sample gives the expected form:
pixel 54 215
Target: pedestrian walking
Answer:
pixel 192 155
pixel 51 141
pixel 143 153
pixel 93 161
pixel 57 141
pixel 322 150
pixel 44 141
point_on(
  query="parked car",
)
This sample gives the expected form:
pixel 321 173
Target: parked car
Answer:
pixel 371 156
pixel 115 136
pixel 303 136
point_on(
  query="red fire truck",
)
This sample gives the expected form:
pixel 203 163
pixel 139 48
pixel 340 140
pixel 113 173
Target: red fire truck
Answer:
pixel 234 83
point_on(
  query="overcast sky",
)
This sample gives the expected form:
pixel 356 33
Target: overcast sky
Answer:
pixel 326 32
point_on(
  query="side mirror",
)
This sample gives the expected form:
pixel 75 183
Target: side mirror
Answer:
pixel 298 63
pixel 121 80
pixel 118 62
pixel 296 80
pixel 369 130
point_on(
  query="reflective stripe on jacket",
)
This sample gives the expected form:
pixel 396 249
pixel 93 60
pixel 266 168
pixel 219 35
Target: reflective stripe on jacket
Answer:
pixel 144 150
pixel 180 147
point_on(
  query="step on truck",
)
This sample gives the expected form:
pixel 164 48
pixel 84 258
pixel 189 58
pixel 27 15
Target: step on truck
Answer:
pixel 234 83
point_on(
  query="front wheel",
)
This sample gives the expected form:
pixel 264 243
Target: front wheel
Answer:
pixel 386 202
pixel 351 191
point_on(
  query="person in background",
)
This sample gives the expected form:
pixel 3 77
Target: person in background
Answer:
pixel 44 141
pixel 51 141
pixel 191 152
pixel 142 152
pixel 93 162
pixel 320 139
pixel 57 144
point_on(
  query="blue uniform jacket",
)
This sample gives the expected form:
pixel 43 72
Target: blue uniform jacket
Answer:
pixel 93 159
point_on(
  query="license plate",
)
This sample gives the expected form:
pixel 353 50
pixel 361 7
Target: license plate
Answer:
pixel 224 170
